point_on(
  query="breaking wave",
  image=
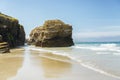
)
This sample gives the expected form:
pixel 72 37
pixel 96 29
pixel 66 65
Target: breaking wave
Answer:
pixel 100 49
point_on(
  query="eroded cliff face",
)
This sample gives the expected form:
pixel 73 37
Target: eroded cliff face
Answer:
pixel 11 31
pixel 54 33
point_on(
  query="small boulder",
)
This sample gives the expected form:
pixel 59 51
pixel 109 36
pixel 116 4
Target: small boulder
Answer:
pixel 4 47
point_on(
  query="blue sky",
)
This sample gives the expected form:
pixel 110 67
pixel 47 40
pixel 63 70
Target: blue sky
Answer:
pixel 92 20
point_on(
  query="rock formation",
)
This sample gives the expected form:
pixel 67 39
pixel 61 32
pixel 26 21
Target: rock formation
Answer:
pixel 4 47
pixel 0 38
pixel 54 33
pixel 11 31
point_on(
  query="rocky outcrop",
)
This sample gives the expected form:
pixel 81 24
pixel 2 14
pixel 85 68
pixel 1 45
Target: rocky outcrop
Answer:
pixel 54 33
pixel 4 47
pixel 11 31
pixel 0 38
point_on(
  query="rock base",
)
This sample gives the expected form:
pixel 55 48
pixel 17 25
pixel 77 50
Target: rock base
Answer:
pixel 4 47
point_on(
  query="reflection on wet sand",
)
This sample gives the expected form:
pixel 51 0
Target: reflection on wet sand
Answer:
pixel 9 64
pixel 9 67
pixel 54 68
pixel 28 71
pixel 36 67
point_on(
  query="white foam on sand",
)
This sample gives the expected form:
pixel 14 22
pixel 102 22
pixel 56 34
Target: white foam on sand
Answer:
pixel 89 66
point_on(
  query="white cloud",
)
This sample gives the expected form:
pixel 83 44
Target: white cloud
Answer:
pixel 104 36
pixel 109 28
pixel 96 34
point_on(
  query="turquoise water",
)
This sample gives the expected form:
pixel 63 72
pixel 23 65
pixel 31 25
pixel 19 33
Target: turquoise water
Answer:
pixel 102 57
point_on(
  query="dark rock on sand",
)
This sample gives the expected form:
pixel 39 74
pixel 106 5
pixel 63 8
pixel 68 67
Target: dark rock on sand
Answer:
pixel 0 38
pixel 11 31
pixel 54 33
pixel 4 47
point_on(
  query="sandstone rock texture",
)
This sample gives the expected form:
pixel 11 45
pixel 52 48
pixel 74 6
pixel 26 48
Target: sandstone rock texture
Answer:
pixel 11 31
pixel 54 33
pixel 4 47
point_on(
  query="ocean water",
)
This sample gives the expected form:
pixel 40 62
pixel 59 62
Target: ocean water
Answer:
pixel 101 57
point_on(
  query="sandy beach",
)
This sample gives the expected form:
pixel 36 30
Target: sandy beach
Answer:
pixel 25 64
pixel 60 40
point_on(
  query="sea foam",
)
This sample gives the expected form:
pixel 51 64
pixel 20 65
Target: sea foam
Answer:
pixel 100 49
pixel 84 64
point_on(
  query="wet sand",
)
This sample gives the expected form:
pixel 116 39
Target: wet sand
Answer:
pixel 25 64
pixel 10 63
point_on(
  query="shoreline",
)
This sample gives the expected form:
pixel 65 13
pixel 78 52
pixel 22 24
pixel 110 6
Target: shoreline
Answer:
pixel 25 64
